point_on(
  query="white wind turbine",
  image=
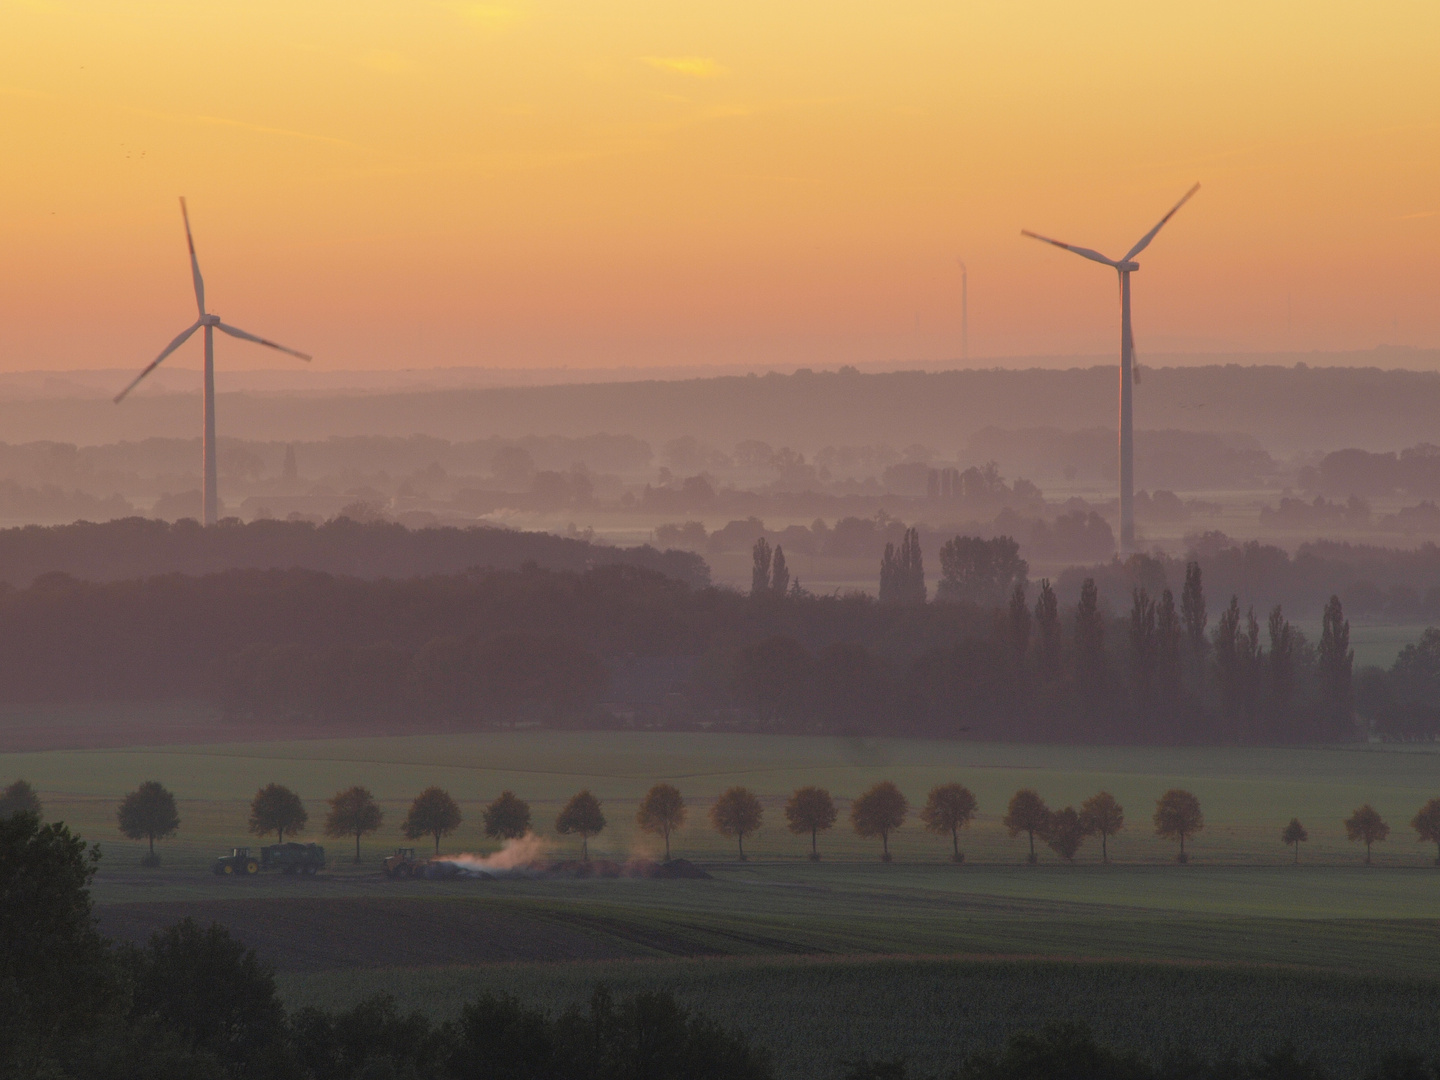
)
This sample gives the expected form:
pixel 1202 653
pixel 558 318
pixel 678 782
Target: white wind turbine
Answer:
pixel 211 323
pixel 1124 267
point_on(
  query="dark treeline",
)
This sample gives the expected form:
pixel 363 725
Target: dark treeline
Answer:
pixel 991 655
pixel 1400 585
pixel 138 547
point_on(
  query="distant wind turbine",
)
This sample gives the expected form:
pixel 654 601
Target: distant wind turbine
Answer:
pixel 1124 267
pixel 211 323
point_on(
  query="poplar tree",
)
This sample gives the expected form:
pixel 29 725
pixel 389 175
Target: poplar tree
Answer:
pixel 1335 662
pixel 760 571
pixel 779 573
pixel 1143 642
pixel 1047 632
pixel 1089 641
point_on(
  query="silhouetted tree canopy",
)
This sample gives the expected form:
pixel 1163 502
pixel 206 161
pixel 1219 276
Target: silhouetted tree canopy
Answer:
pixel 507 818
pixel 1028 814
pixel 1294 835
pixel 581 815
pixel 1366 826
pixel 1102 816
pixel 879 812
pixel 433 813
pixel 149 813
pixel 810 810
pixel 277 809
pixel 20 798
pixel 661 812
pixel 353 812
pixel 736 813
pixel 1177 817
pixel 948 809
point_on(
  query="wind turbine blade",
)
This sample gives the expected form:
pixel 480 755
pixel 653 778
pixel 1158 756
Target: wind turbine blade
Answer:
pixel 260 340
pixel 179 340
pixel 194 262
pixel 1084 252
pixel 1144 241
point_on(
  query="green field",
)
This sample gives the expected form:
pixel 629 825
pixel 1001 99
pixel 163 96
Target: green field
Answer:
pixel 813 1015
pixel 1230 951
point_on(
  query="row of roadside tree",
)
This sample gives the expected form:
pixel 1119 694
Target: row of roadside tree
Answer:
pixel 150 813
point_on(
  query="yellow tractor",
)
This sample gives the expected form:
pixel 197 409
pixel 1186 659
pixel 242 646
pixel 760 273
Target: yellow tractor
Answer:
pixel 403 865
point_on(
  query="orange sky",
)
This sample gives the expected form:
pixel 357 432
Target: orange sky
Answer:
pixel 541 183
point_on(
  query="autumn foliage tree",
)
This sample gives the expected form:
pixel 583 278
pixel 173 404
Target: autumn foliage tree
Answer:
pixel 277 809
pixel 353 812
pixel 507 818
pixel 661 812
pixel 1366 826
pixel 810 810
pixel 1427 825
pixel 879 812
pixel 1177 817
pixel 1065 832
pixel 737 813
pixel 1102 816
pixel 149 813
pixel 581 815
pixel 1294 835
pixel 948 809
pixel 433 813
pixel 1027 814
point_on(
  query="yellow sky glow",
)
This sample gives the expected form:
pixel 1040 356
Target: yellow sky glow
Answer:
pixel 542 183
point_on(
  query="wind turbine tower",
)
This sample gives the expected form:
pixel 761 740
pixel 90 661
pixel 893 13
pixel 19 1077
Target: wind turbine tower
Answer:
pixel 211 323
pixel 1124 266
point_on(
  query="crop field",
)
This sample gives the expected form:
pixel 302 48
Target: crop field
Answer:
pixel 922 957
pixel 815 1014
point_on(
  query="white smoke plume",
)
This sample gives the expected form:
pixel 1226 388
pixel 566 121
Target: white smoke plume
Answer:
pixel 516 858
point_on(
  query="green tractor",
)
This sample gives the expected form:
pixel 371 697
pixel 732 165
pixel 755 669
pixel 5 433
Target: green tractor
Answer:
pixel 239 863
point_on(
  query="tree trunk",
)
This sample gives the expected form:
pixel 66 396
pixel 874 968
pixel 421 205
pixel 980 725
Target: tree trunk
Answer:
pixel 885 843
pixel 584 848
pixel 1297 852
pixel 152 843
pixel 740 840
pixel 437 843
pixel 1104 848
pixel 1367 852
pixel 357 847
pixel 955 843
pixel 1031 833
pixel 1182 843
pixel 813 850
pixel 667 845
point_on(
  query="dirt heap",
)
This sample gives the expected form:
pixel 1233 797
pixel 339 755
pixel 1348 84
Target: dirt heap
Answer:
pixel 441 870
pixel 635 868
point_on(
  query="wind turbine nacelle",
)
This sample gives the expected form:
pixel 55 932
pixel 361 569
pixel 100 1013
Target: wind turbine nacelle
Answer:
pixel 1127 267
pixel 209 320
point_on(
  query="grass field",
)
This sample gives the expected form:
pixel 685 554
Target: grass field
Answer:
pixel 822 962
